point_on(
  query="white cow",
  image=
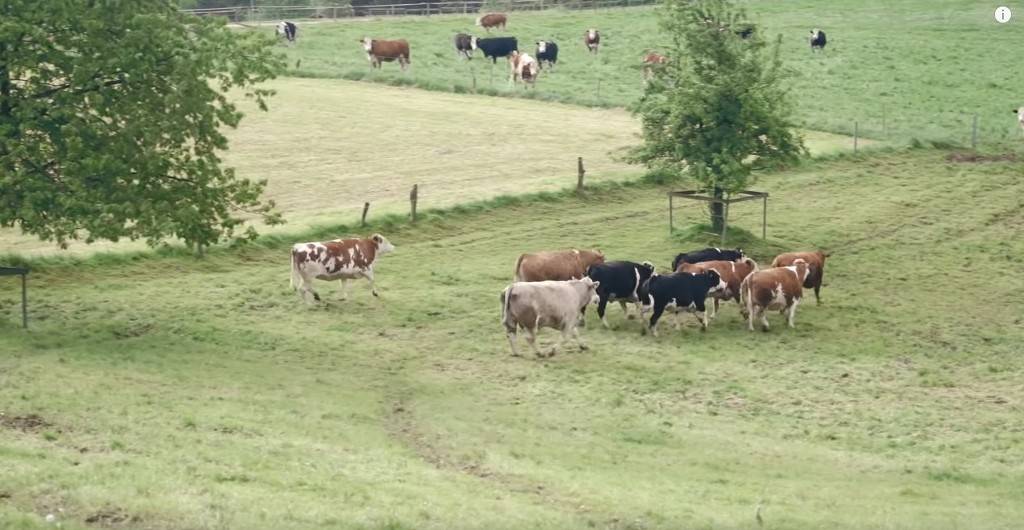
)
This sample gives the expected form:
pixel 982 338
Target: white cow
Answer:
pixel 547 304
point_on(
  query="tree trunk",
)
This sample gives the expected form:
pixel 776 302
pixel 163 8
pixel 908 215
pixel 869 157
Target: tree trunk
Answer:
pixel 717 211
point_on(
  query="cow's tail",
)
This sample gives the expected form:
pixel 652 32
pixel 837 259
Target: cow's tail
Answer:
pixel 516 276
pixel 296 276
pixel 506 302
pixel 746 296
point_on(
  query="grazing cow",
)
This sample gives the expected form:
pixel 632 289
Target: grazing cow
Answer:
pixel 287 30
pixel 732 273
pixel 340 259
pixel 1020 118
pixel 557 265
pixel 496 47
pixel 492 20
pixel 776 288
pixel 815 267
pixel 524 67
pixel 683 291
pixel 651 61
pixel 592 40
pixel 620 282
pixel 547 51
pixel 464 45
pixel 818 40
pixel 707 254
pixel 744 31
pixel 386 51
pixel 550 304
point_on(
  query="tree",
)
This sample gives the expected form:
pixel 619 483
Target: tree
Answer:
pixel 718 108
pixel 110 121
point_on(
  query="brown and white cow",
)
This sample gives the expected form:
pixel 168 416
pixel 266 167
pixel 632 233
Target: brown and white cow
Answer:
pixel 815 265
pixel 650 61
pixel 340 259
pixel 775 288
pixel 1020 118
pixel 523 67
pixel 559 265
pixel 378 51
pixel 550 304
pixel 731 272
pixel 492 20
pixel 592 40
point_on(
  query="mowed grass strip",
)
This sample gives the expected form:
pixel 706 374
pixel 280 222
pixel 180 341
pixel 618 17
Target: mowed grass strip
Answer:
pixel 327 146
pixel 181 393
pixel 910 69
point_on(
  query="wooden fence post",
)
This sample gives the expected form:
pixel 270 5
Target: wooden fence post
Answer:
pixel 414 196
pixel 855 133
pixel 579 175
pixel 24 301
pixel 366 208
pixel 670 220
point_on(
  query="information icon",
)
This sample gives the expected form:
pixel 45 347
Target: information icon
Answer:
pixel 1002 14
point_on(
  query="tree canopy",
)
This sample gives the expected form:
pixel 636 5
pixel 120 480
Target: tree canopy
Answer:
pixel 111 116
pixel 718 109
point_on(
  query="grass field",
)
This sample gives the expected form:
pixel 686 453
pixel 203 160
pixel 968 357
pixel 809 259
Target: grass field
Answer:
pixel 326 146
pixel 908 69
pixel 175 393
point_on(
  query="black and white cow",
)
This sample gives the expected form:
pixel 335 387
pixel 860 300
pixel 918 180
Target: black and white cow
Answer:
pixel 547 51
pixel 683 291
pixel 707 254
pixel 288 30
pixel 620 281
pixel 818 40
pixel 464 45
pixel 495 47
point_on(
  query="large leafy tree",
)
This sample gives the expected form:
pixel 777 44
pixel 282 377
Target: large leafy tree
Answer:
pixel 718 109
pixel 110 121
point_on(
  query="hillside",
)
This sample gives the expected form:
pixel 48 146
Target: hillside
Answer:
pixel 174 393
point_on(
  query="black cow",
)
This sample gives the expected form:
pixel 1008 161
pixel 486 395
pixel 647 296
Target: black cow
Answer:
pixel 464 45
pixel 547 51
pixel 495 47
pixel 620 282
pixel 708 254
pixel 683 290
pixel 288 30
pixel 818 40
pixel 744 31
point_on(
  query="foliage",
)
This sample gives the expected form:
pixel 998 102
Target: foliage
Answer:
pixel 718 108
pixel 110 121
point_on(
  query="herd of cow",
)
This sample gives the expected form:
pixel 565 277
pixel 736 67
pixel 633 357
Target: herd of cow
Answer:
pixel 553 289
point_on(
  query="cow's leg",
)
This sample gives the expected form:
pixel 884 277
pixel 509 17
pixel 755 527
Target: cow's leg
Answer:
pixel 531 339
pixel 344 288
pixel 764 318
pixel 701 313
pixel 602 305
pixel 510 334
pixel 714 311
pixel 625 310
pixel 750 317
pixel 579 341
pixel 791 314
pixel 368 274
pixel 658 310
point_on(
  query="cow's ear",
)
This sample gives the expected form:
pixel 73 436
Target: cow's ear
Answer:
pixel 377 238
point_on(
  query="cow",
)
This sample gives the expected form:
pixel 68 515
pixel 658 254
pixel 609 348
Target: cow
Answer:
pixel 650 61
pixel 547 51
pixel 496 47
pixel 548 304
pixel 732 273
pixel 559 265
pixel 339 259
pixel 681 290
pixel 1020 118
pixel 524 67
pixel 287 30
pixel 464 45
pixel 707 254
pixel 386 50
pixel 775 288
pixel 620 282
pixel 492 20
pixel 592 40
pixel 815 268
pixel 818 40
pixel 745 31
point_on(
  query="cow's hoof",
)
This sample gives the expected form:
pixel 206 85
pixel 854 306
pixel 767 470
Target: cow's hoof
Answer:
pixel 584 347
pixel 764 329
pixel 316 297
pixel 375 293
pixel 630 317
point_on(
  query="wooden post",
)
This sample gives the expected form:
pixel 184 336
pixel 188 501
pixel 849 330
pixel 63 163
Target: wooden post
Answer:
pixel 413 198
pixel 974 132
pixel 764 219
pixel 855 132
pixel 366 208
pixel 24 302
pixel 579 175
pixel 725 220
pixel 670 213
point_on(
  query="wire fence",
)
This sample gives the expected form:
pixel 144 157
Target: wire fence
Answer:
pixel 256 14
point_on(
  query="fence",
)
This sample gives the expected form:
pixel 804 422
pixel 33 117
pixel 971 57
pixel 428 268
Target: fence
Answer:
pixel 255 14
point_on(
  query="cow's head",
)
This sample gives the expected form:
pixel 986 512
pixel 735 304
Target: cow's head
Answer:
pixel 383 245
pixel 1020 114
pixel 591 34
pixel 541 47
pixel 480 21
pixel 367 43
pixel 587 288
pixel 472 43
pixel 748 263
pixel 713 280
pixel 801 268
pixel 280 28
